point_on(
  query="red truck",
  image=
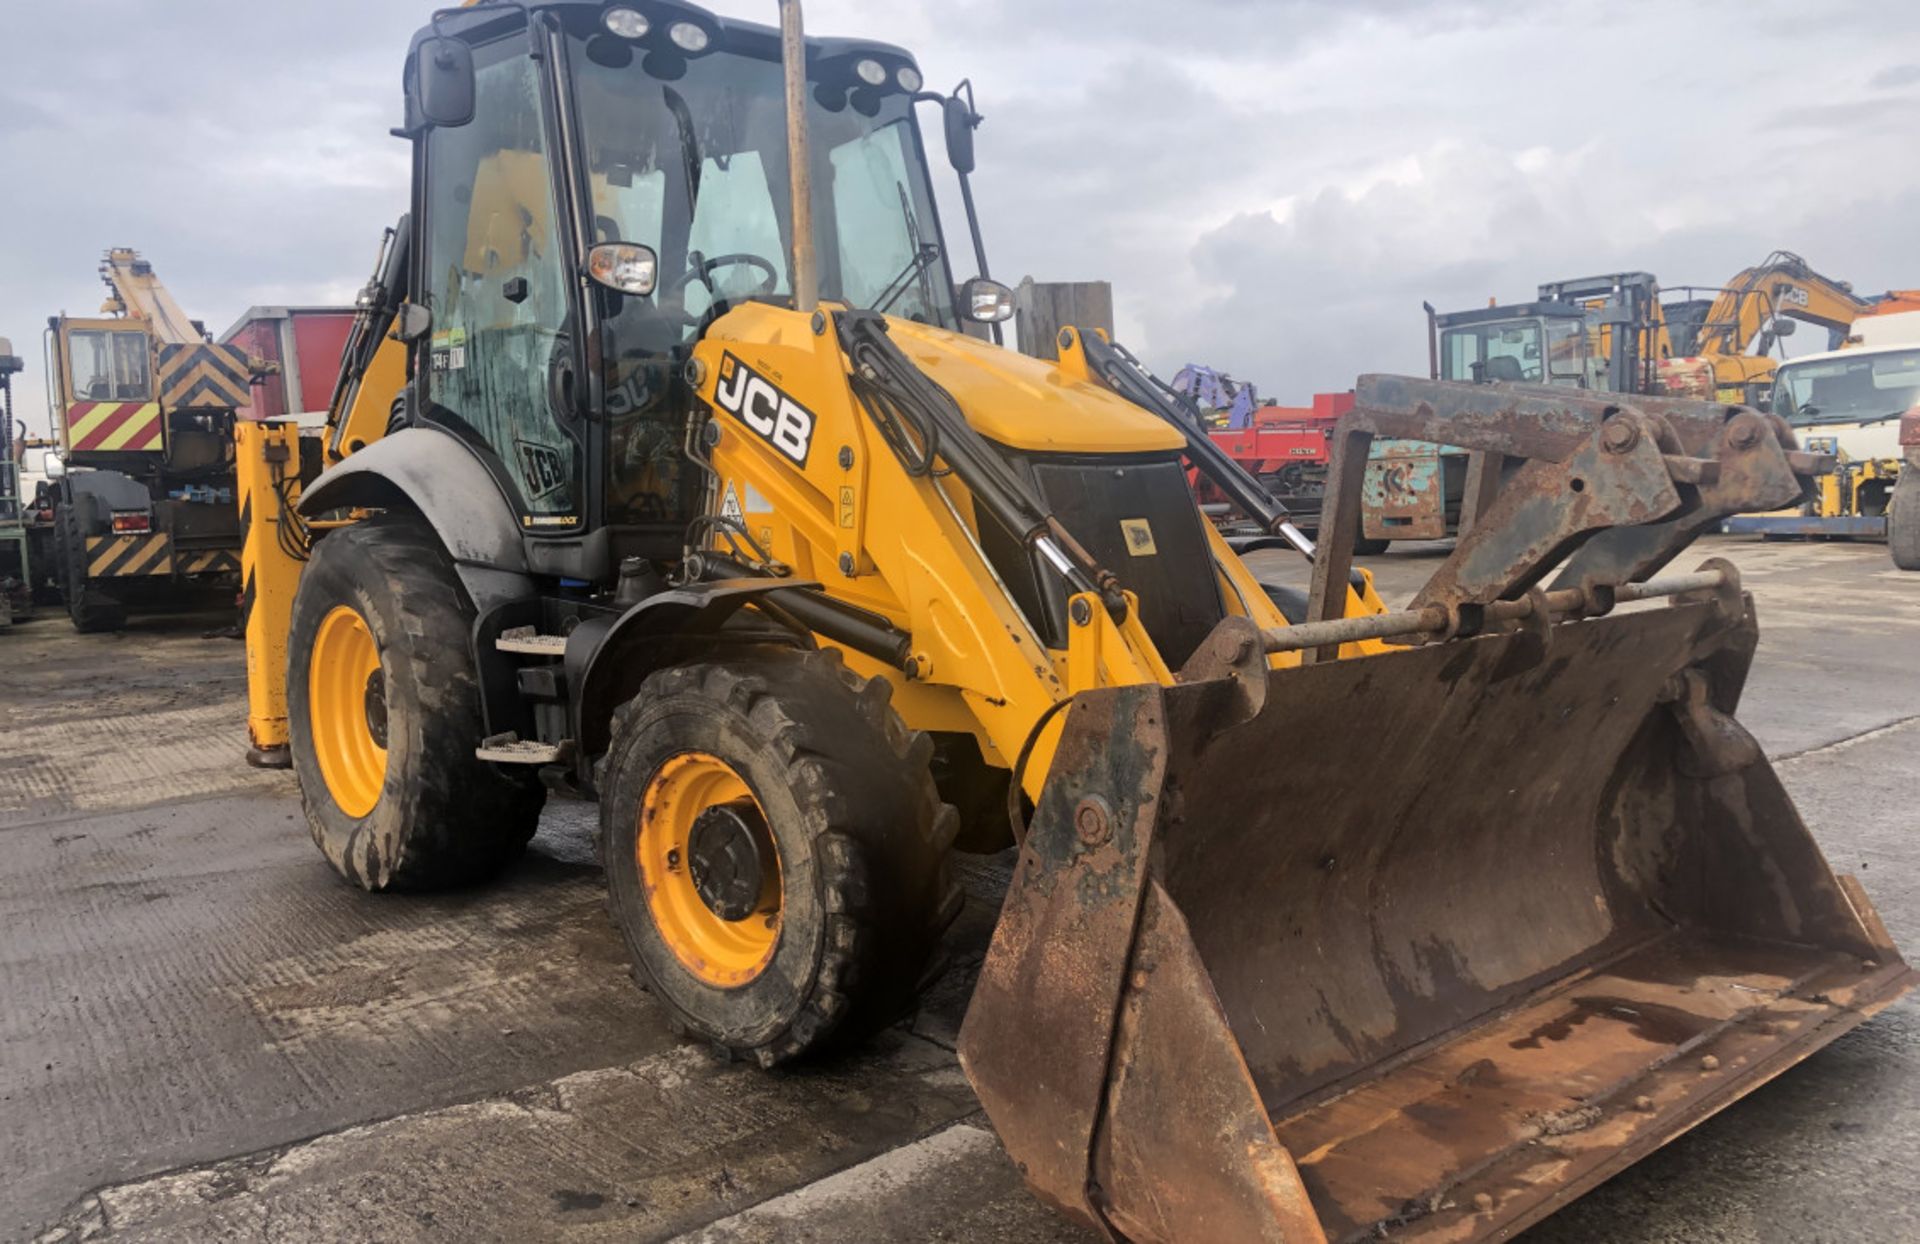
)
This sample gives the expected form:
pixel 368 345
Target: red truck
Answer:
pixel 304 343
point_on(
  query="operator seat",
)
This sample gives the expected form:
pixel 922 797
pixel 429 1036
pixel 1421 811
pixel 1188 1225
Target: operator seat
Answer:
pixel 1504 367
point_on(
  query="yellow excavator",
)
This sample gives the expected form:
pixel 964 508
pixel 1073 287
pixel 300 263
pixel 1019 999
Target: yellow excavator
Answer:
pixel 664 469
pixel 1719 343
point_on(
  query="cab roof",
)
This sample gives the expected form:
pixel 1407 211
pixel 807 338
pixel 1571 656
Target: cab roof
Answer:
pixel 730 34
pixel 1511 311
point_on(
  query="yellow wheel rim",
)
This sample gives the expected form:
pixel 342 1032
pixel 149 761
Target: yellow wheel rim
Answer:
pixel 347 710
pixel 710 869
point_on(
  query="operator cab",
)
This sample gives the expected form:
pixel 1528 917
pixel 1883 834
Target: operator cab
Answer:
pixel 1531 343
pixel 603 182
pixel 1852 397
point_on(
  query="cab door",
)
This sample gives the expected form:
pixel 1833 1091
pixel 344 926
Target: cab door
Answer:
pixel 494 273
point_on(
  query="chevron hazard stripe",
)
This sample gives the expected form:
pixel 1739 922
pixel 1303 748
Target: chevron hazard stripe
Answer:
pixel 113 426
pixel 119 557
pixel 203 377
pixel 207 561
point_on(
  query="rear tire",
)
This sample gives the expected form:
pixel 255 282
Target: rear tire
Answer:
pixel 415 809
pixel 1903 520
pixel 91 610
pixel 850 892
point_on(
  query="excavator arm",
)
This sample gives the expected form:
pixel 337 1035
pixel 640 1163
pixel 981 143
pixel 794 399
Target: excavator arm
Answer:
pixel 1743 316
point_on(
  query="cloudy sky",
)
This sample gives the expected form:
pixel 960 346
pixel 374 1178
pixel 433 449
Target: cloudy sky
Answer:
pixel 1273 186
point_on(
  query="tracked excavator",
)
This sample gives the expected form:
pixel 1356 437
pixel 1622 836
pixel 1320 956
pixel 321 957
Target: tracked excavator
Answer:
pixel 662 471
pixel 1719 342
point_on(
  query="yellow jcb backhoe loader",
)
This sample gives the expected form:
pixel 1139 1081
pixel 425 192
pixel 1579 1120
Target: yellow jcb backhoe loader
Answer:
pixel 677 483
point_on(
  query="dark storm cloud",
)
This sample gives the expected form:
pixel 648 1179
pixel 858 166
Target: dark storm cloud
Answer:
pixel 1272 185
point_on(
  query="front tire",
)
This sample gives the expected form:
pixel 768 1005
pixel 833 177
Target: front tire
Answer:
pixel 383 715
pixel 776 851
pixel 1903 519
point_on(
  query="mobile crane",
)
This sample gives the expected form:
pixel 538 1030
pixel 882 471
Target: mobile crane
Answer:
pixel 144 404
pixel 660 470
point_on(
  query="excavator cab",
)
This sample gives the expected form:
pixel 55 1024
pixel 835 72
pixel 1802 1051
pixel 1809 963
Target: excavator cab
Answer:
pixel 676 485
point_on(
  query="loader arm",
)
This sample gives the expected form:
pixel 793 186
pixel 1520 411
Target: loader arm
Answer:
pixel 903 503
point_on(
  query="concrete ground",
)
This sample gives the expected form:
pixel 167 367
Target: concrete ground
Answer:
pixel 204 1035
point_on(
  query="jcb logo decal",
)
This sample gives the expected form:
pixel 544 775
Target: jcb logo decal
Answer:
pixel 753 399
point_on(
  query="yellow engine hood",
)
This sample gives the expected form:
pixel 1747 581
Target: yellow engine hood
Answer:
pixel 1026 403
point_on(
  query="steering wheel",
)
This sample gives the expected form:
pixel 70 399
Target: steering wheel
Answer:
pixel 703 272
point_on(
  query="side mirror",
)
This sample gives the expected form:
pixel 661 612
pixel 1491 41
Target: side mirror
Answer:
pixel 624 267
pixel 443 81
pixel 412 323
pixel 986 301
pixel 960 120
pixel 1783 327
pixel 54 466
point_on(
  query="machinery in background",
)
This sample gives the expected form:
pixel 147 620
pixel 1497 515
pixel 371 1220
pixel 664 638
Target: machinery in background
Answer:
pixel 1284 447
pixel 1719 342
pixel 16 560
pixel 1616 332
pixel 300 348
pixel 1598 333
pixel 143 402
pixel 1287 448
pixel 1860 403
pixel 1625 333
pixel 1218 400
pixel 731 527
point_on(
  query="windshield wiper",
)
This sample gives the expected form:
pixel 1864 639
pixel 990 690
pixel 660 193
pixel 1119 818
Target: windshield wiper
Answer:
pixel 689 143
pixel 922 260
pixel 924 254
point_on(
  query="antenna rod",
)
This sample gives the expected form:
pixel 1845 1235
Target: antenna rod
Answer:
pixel 793 54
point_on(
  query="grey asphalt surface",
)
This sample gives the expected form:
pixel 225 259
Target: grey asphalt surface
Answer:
pixel 204 1035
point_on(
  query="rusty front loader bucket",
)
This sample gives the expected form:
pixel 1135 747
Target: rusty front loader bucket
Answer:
pixel 1419 945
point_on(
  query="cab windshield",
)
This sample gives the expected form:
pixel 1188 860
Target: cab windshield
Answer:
pixel 689 157
pixel 1848 390
pixel 1503 350
pixel 1547 350
pixel 108 365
